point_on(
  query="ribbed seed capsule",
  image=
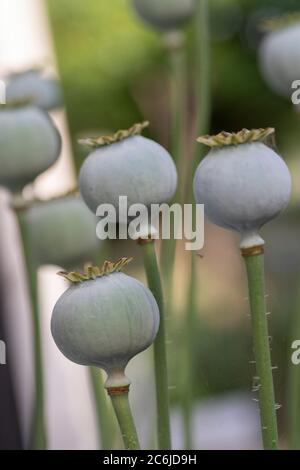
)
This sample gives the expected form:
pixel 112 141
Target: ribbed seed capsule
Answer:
pixel 242 183
pixel 104 319
pixel 127 164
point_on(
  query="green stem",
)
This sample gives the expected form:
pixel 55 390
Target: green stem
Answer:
pixel 293 400
pixel 202 126
pixel 104 417
pixel 189 366
pixel 203 64
pixel 177 59
pixel 38 439
pixel 122 409
pixel 178 79
pixel 203 90
pixel 160 354
pixel 256 285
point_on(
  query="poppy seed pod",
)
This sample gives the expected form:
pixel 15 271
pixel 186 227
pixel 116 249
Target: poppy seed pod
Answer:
pixel 104 319
pixel 166 14
pixel 242 183
pixel 279 54
pixel 62 231
pixel 45 92
pixel 127 164
pixel 29 144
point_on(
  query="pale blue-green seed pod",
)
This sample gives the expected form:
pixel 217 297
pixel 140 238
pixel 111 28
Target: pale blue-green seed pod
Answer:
pixel 165 14
pixel 62 231
pixel 45 92
pixel 279 57
pixel 105 321
pixel 129 165
pixel 242 183
pixel 29 144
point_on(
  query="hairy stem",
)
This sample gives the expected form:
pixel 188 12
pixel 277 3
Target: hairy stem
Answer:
pixel 256 285
pixel 160 354
pixel 120 402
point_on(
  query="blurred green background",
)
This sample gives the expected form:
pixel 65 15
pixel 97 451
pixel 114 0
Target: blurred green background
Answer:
pixel 111 65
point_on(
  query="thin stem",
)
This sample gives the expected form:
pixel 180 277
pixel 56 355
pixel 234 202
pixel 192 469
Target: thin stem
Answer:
pixel 122 409
pixel 202 126
pixel 104 417
pixel 177 60
pixel 188 366
pixel 38 439
pixel 256 285
pixel 293 400
pixel 203 63
pixel 160 354
pixel 203 90
pixel 178 81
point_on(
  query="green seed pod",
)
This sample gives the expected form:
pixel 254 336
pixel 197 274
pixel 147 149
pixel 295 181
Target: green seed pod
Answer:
pixel 45 92
pixel 127 164
pixel 165 14
pixel 29 144
pixel 242 183
pixel 104 319
pixel 279 54
pixel 62 231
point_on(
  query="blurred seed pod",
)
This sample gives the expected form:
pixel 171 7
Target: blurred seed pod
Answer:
pixel 279 54
pixel 165 14
pixel 29 144
pixel 45 92
pixel 62 231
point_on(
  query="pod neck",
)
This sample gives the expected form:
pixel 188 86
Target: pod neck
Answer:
pixel 173 40
pixel 117 382
pixel 252 244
